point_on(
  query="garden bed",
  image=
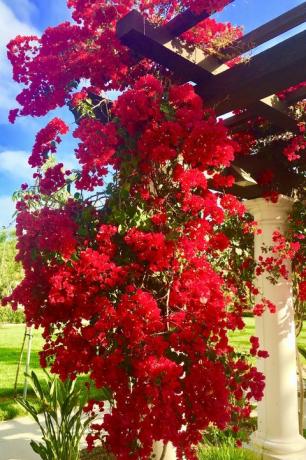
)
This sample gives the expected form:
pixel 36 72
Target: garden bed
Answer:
pixel 96 454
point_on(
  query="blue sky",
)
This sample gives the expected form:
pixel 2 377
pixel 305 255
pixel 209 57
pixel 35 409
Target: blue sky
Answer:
pixel 23 17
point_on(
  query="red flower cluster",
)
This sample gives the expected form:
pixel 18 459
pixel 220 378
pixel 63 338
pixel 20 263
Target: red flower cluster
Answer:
pixel 129 293
pixel 296 148
pixel 53 180
pixel 95 152
pixel 46 141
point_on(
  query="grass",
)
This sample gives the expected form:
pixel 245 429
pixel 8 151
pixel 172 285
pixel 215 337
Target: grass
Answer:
pixel 10 344
pixel 224 453
pixel 211 453
pixel 11 337
pixel 241 339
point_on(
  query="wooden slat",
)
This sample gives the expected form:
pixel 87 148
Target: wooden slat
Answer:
pixel 271 107
pixel 266 32
pixel 178 25
pixel 185 21
pixel 276 115
pixel 237 122
pixel 295 96
pixel 270 157
pixel 269 72
pixel 134 21
pixel 192 65
pixel 144 39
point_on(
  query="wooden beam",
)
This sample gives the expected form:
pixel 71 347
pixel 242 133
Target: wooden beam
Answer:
pixel 175 27
pixel 236 121
pixel 266 32
pixel 193 65
pixel 190 64
pixel 273 70
pixel 270 108
pixel 297 95
pixel 270 157
pixel 185 21
pixel 144 39
pixel 273 110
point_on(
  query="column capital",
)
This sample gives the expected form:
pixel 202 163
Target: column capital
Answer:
pixel 266 211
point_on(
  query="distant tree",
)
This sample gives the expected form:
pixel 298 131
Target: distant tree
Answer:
pixel 11 271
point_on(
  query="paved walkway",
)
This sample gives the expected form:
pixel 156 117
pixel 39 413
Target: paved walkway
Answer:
pixel 15 436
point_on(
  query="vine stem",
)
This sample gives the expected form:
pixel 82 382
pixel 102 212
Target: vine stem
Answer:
pixel 19 361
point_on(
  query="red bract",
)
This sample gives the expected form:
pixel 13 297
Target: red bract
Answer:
pixel 53 180
pixel 296 148
pixel 46 140
pixel 95 151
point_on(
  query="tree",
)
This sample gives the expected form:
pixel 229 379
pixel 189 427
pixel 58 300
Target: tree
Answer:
pixel 10 271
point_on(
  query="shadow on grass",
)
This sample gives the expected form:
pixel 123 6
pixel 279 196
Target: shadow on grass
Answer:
pixel 9 408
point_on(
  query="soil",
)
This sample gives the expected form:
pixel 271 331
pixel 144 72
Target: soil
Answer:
pixel 96 454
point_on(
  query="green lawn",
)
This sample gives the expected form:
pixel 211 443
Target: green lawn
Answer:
pixel 11 337
pixel 10 344
pixel 240 339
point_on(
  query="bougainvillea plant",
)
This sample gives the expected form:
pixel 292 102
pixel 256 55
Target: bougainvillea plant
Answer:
pixel 131 262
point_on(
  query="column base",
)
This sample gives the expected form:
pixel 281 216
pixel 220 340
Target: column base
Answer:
pixel 158 450
pixel 277 449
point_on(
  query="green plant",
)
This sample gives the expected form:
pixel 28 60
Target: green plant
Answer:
pixel 7 315
pixel 213 437
pixel 11 272
pixel 63 423
pixel 224 453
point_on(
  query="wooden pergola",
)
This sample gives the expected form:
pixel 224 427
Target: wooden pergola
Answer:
pixel 251 85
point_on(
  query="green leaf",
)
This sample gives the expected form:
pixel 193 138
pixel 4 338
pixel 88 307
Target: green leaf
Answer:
pixel 302 351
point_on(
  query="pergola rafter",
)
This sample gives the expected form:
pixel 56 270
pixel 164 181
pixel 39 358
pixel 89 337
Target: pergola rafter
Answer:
pixel 266 73
pixel 249 85
pixel 266 32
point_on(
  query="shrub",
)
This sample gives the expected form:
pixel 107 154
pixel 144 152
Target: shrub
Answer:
pixel 62 405
pixel 7 315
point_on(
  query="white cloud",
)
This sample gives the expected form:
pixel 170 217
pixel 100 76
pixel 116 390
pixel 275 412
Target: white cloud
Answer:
pixel 11 26
pixel 7 209
pixel 14 163
pixel 23 9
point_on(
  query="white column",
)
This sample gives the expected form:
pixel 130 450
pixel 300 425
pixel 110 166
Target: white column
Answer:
pixel 277 436
pixel 170 453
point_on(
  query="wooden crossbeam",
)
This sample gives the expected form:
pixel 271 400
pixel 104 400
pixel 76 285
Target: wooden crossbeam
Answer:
pixel 194 65
pixel 266 32
pixel 271 71
pixel 144 39
pixel 274 110
pixel 247 85
pixel 270 108
pixel 295 96
pixel 185 21
pixel 175 27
